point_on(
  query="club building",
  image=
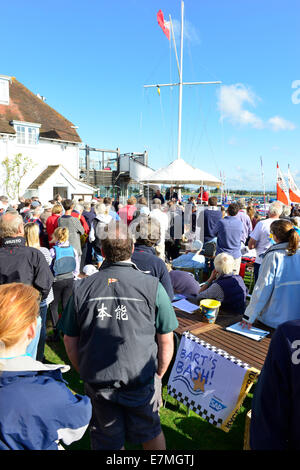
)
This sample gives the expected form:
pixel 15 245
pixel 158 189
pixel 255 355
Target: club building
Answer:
pixel 29 126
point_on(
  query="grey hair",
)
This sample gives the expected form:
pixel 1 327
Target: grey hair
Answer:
pixel 87 206
pixel 10 224
pixel 78 208
pixel 224 263
pixel 286 211
pixel 275 208
pixel 102 209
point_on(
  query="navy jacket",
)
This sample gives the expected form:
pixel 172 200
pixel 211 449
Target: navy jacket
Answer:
pixel 20 263
pixel 235 292
pixel 211 219
pixel 116 308
pixel 145 259
pixel 37 410
pixel 275 421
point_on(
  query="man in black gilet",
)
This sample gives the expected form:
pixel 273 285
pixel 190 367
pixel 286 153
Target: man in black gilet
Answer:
pixel 118 329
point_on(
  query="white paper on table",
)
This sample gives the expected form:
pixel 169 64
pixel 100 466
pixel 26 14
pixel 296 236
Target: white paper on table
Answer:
pixel 253 333
pixel 178 297
pixel 185 306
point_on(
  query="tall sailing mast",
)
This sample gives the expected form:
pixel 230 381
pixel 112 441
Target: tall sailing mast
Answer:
pixel 180 83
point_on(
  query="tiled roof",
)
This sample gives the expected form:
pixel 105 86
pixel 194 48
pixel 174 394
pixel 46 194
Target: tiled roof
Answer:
pixel 26 106
pixel 49 171
pixel 43 176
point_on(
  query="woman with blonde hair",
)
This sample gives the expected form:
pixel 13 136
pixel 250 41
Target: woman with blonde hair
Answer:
pixel 276 295
pixel 65 267
pixel 37 410
pixel 31 234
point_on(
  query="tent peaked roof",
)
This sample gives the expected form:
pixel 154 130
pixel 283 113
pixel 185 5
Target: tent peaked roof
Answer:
pixel 181 172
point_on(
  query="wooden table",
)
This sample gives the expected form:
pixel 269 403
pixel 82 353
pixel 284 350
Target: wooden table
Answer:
pixel 243 348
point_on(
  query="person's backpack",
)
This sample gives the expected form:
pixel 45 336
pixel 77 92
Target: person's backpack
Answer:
pixel 65 261
pixel 99 232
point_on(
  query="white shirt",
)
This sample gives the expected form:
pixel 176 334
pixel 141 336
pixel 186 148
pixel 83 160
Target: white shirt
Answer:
pixel 163 219
pixel 261 234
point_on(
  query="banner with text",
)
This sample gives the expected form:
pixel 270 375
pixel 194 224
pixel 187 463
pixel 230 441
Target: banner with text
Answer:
pixel 210 381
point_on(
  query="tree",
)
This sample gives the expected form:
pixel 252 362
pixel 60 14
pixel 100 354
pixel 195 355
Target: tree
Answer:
pixel 15 169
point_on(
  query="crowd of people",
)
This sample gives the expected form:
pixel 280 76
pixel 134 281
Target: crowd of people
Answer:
pixel 105 274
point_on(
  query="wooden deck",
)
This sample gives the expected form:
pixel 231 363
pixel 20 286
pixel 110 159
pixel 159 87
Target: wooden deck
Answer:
pixel 243 348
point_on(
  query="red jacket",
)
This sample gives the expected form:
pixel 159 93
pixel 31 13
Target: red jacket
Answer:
pixel 51 225
pixel 204 196
pixel 126 213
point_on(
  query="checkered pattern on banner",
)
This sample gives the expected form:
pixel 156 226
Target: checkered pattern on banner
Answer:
pixel 211 418
pixel 216 350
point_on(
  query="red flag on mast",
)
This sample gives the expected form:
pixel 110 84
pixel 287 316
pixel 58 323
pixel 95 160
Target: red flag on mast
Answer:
pixel 165 25
pixel 282 192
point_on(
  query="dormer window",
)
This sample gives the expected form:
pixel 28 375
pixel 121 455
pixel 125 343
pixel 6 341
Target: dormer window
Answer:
pixel 27 132
pixel 4 89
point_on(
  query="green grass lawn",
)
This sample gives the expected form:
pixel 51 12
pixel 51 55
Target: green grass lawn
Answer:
pixel 182 431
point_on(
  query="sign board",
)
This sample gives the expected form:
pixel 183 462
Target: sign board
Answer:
pixel 209 381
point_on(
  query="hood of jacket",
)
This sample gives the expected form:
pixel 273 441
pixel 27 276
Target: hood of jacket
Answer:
pixel 277 247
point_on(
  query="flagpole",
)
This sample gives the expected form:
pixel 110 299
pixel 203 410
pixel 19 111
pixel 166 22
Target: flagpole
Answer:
pixel 263 180
pixel 180 85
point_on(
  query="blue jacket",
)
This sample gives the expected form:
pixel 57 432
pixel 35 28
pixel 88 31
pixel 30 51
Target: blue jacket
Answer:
pixel 230 234
pixel 276 408
pixel 276 295
pixel 37 410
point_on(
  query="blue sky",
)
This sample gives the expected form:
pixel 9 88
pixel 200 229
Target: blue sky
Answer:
pixel 91 59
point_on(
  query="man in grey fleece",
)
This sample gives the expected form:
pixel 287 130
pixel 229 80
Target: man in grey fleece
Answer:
pixel 74 226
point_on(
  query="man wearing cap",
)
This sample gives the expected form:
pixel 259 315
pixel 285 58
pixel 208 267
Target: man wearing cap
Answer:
pixel 118 329
pixel 47 211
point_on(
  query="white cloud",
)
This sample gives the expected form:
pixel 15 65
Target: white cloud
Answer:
pixel 279 124
pixel 233 101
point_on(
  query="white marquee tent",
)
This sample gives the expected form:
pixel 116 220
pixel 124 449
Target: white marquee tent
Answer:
pixel 180 173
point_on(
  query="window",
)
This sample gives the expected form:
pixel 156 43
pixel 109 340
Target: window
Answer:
pixel 32 135
pixel 4 90
pixel 27 132
pixel 20 134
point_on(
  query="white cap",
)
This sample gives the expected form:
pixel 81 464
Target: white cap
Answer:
pixel 89 269
pixel 197 245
